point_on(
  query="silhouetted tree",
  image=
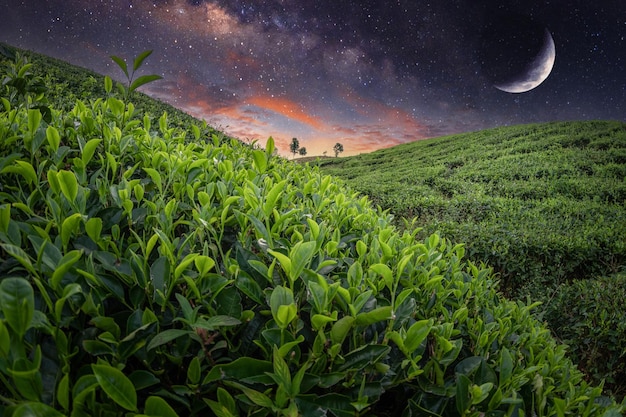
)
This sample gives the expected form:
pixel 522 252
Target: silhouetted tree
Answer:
pixel 295 145
pixel 338 148
pixel 302 151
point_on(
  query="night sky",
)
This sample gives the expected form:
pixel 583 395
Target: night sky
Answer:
pixel 368 74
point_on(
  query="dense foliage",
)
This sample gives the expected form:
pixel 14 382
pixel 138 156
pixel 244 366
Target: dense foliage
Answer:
pixel 156 270
pixel 543 204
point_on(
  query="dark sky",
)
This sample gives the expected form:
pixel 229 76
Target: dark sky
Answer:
pixel 368 74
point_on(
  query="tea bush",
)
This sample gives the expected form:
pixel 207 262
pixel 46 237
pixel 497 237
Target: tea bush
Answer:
pixel 162 271
pixel 595 328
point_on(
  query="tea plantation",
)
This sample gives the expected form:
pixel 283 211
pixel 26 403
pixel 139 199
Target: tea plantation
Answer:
pixel 158 269
pixel 544 205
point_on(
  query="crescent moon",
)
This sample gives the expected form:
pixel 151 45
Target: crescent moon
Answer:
pixel 536 72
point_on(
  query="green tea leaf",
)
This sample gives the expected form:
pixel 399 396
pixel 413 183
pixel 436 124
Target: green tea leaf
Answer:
pixel 69 227
pixel 89 150
pixel 216 321
pixel 462 393
pixel 284 260
pixel 63 392
pixel 364 356
pixel 64 266
pixel 140 58
pixel 23 168
pixel 280 296
pixel 239 369
pixel 272 197
pixel 374 316
pixel 116 385
pixel 17 301
pixel 269 147
pixel 5 339
pixel 116 106
pixel 340 329
pixel 54 139
pixel 34 120
pixel 165 337
pixel 260 160
pixel 158 407
pixel 506 366
pixel 160 273
pixel 416 334
pixel 194 370
pixel 385 272
pixel 155 176
pixel 144 79
pixel 184 264
pixel 256 397
pixel 21 256
pixel 68 183
pixel 108 84
pixel 300 255
pixel 120 63
pixel 93 227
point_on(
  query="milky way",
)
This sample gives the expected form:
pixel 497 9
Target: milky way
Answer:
pixel 367 74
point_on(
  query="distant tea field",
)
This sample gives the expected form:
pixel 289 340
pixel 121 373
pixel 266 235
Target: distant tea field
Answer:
pixel 544 205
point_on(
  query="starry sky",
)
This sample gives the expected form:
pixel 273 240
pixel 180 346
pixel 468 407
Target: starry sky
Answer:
pixel 367 74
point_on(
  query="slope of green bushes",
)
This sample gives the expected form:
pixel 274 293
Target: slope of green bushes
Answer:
pixel 542 204
pixel 154 270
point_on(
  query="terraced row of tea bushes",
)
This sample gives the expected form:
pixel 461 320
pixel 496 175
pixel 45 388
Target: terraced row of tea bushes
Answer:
pixel 542 204
pixel 153 270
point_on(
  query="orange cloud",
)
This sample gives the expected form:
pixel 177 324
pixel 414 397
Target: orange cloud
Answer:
pixel 286 108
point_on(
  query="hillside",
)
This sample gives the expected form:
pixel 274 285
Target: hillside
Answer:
pixel 160 269
pixel 538 193
pixel 543 204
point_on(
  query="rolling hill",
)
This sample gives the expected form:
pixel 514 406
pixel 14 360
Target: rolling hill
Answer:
pixel 151 266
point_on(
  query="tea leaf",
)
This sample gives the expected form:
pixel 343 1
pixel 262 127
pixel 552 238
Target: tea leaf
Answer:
pixel 284 260
pixel 462 393
pixel 70 226
pixel 68 184
pixel 155 176
pixel 54 139
pixel 120 63
pixel 108 84
pixel 21 256
pixel 93 227
pixel 140 58
pixel 506 366
pixel 272 197
pixel 194 370
pixel 34 120
pixel 374 316
pixel 144 79
pixel 116 385
pixel 340 329
pixel 216 321
pixel 64 266
pixel 158 407
pixel 165 337
pixel 89 150
pixel 240 369
pixel 17 302
pixel 25 169
pixel 416 334
pixel 260 160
